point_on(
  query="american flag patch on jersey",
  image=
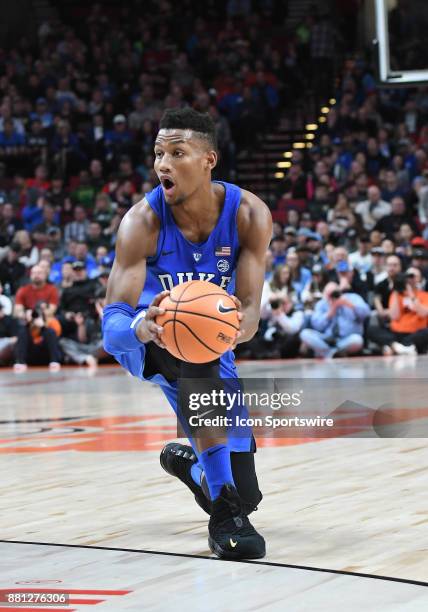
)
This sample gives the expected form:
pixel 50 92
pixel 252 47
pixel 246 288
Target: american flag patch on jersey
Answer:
pixel 223 251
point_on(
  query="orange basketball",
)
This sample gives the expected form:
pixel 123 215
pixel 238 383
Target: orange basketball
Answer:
pixel 200 321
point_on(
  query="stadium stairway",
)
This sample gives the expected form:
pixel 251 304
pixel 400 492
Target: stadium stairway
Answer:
pixel 260 168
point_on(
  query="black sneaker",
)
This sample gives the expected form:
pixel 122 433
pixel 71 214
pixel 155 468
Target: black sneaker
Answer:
pixel 177 459
pixel 231 535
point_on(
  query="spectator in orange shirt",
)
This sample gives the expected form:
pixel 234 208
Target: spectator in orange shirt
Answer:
pixel 408 308
pixel 39 290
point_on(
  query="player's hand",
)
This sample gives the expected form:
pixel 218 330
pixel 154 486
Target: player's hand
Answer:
pixel 148 330
pixel 240 319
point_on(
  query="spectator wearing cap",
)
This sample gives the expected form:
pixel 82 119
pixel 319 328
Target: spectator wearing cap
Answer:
pixel 118 141
pixel 337 323
pixel 373 209
pixel 315 246
pixel 390 224
pixel 302 235
pixel 408 312
pixel 278 246
pixel 313 290
pixel 42 113
pixel 378 265
pixel 37 142
pixel 361 259
pixel 79 297
pixel 12 272
pixel 361 283
pixel 290 235
pixel 419 259
pixel 78 228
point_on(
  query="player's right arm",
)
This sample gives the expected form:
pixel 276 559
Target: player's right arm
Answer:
pixel 124 328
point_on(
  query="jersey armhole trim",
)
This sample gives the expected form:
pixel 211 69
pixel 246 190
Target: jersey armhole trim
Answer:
pixel 161 237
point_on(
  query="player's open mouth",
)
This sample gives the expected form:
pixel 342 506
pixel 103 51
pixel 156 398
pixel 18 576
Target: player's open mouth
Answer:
pixel 167 184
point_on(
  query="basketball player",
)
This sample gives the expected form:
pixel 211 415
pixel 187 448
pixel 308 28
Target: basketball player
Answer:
pixel 192 228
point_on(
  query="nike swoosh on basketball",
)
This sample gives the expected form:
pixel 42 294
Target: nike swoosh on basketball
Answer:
pixel 167 252
pixel 232 543
pixel 223 309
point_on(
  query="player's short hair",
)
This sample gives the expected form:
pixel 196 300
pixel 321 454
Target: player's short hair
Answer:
pixel 188 119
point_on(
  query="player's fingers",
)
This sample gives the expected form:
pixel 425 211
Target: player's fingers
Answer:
pixel 154 329
pixel 153 312
pixel 237 302
pixel 238 335
pixel 159 297
pixel 240 316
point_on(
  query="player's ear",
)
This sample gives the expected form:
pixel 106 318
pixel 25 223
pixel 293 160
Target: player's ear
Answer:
pixel 211 159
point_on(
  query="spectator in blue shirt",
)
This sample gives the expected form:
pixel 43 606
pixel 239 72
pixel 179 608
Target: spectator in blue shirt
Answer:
pixel 9 137
pixel 337 323
pixel 42 114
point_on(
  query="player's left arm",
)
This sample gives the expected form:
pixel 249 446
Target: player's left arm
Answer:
pixel 255 233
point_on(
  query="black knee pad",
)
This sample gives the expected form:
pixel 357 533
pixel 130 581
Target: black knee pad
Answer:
pixel 244 475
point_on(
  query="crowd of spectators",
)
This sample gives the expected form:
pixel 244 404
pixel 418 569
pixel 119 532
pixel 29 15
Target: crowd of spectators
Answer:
pixel 347 265
pixel 347 269
pixel 79 109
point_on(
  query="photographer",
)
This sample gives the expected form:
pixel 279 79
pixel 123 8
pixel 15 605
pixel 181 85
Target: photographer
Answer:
pixel 337 323
pixel 39 290
pixel 408 310
pixel 284 318
pixel 37 342
pixel 85 345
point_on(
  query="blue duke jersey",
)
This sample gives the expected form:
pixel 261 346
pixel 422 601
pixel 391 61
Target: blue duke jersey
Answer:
pixel 178 260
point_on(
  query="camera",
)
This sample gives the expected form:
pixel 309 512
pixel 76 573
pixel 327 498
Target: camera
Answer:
pixel 274 304
pixel 400 283
pixel 335 295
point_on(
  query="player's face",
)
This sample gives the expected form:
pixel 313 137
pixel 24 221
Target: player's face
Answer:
pixel 183 163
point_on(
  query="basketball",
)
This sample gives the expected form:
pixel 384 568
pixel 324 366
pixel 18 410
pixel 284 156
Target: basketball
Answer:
pixel 200 321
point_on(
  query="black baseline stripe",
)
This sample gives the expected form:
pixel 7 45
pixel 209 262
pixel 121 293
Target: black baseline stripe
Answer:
pixel 189 556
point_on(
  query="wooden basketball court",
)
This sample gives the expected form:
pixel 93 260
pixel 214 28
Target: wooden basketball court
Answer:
pixel 87 510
